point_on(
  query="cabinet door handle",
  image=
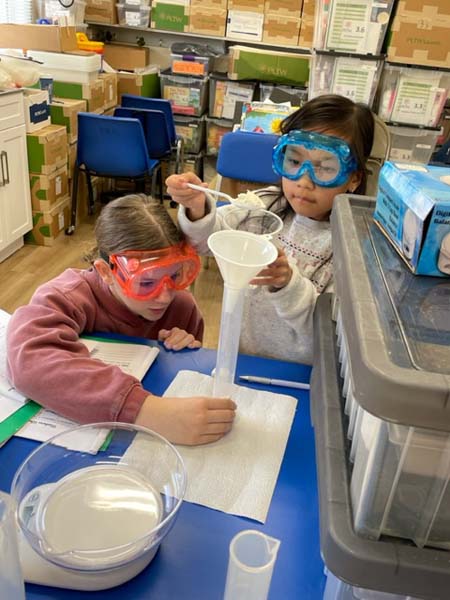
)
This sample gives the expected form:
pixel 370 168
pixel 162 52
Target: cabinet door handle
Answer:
pixel 4 154
pixel 2 180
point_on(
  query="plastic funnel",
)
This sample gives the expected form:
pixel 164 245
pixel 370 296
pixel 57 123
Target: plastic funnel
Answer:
pixel 250 567
pixel 240 255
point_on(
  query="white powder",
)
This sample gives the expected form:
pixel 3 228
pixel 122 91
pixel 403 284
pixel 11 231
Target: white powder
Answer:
pixel 249 198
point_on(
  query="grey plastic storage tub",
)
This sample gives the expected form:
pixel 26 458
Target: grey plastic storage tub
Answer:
pixel 389 565
pixel 400 479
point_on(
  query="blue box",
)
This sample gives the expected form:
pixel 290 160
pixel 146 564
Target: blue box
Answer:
pixel 413 211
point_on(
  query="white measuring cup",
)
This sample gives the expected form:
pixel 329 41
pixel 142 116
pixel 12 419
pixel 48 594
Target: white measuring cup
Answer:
pixel 250 567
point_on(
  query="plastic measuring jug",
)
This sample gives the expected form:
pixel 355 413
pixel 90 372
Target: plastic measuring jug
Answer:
pixel 250 567
pixel 11 579
pixel 240 255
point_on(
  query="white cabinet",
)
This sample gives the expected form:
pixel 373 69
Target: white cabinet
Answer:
pixel 15 202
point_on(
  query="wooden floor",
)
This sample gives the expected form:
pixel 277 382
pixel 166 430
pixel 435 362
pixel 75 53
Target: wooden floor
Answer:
pixel 29 267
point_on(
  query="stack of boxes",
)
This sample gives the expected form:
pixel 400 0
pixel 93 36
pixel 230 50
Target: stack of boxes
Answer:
pixel 186 85
pixel 278 22
pixel 348 37
pixel 52 132
pixel 413 97
pixel 48 170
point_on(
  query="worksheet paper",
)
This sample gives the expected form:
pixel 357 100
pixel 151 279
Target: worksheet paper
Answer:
pixel 6 389
pixel 237 474
pixel 134 359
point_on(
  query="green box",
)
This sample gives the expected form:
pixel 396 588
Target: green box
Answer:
pixel 170 17
pixel 92 92
pixel 64 111
pixel 268 65
pixel 47 149
pixel 138 84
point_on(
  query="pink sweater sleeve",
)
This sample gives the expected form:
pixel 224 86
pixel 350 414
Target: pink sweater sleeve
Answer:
pixel 48 363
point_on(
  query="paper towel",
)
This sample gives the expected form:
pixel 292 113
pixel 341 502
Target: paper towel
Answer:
pixel 237 474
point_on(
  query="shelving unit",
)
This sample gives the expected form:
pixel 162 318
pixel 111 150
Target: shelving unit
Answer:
pixel 163 38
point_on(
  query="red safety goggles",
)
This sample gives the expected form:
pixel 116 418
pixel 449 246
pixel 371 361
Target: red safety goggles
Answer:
pixel 142 274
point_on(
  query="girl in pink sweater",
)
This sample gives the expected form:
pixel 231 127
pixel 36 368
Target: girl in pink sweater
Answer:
pixel 136 287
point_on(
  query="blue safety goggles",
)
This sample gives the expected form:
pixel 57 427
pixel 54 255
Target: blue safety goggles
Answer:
pixel 327 160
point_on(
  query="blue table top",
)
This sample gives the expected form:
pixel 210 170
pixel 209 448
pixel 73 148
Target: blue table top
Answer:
pixel 191 563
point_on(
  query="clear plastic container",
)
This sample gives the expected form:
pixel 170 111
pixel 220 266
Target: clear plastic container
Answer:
pixel 349 26
pixel 266 89
pixel 96 500
pixel 133 15
pixel 215 130
pixel 336 589
pixel 188 95
pixel 399 484
pixel 223 95
pixel 192 130
pixel 11 578
pixel 55 12
pixel 189 64
pixel 412 95
pixel 352 77
pixel 411 144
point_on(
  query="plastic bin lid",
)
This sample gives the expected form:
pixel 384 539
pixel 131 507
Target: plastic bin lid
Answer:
pixel 397 324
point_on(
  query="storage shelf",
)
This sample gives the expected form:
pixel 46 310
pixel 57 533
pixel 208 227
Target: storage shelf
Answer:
pixel 299 49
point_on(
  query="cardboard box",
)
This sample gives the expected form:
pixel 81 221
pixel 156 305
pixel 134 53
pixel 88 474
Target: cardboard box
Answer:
pixel 64 111
pixel 413 211
pixel 291 8
pixel 419 34
pixel 53 38
pixel 306 33
pixel 36 108
pixel 125 57
pixel 212 5
pixel 47 190
pixel 47 225
pixel 92 92
pixel 208 21
pixel 101 11
pixel 246 5
pixel 109 90
pixel 243 25
pixel 171 17
pixel 146 84
pixel 71 158
pixel 47 149
pixel 268 65
pixel 280 29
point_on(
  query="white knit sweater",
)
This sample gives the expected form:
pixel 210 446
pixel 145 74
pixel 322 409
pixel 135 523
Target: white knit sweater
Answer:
pixel 278 324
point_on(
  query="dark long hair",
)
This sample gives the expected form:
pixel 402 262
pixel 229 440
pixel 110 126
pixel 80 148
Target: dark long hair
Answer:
pixel 352 121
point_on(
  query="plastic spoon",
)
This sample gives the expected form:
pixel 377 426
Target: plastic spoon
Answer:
pixel 234 201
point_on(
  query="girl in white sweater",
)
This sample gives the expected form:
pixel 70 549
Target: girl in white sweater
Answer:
pixel 322 153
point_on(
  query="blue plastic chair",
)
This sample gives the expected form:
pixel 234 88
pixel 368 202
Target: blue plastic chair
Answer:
pixel 247 156
pixel 131 101
pixel 156 135
pixel 110 147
